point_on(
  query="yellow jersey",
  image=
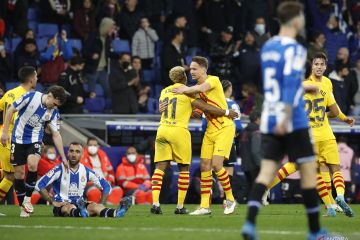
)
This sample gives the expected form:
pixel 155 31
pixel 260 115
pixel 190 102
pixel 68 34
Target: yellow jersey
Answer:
pixel 324 80
pixel 315 105
pixel 215 96
pixel 179 108
pixel 7 100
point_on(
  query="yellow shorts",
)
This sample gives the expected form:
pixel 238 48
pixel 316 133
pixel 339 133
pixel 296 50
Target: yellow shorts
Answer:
pixel 327 152
pixel 218 143
pixel 5 158
pixel 173 143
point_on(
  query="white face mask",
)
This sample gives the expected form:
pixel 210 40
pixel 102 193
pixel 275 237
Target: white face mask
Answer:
pixel 93 149
pixel 260 29
pixel 51 156
pixel 131 157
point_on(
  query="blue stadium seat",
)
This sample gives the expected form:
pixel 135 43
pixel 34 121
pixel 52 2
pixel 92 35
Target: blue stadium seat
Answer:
pixel 11 85
pixel 39 87
pixel 76 43
pixel 149 76
pixel 158 48
pixel 158 89
pixel 98 90
pixel 7 45
pixel 121 46
pixel 153 105
pixel 31 14
pixel 94 105
pixel 47 30
pixel 14 43
pixel 41 43
pixel 188 60
pixel 33 25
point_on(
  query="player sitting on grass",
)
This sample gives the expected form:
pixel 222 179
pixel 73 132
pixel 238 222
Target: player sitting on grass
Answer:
pixel 69 188
pixel 173 139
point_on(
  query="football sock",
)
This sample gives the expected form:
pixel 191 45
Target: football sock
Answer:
pixel 312 209
pixel 224 179
pixel 286 170
pixel 30 182
pixel 5 186
pixel 327 179
pixel 183 185
pixel 75 213
pixel 108 212
pixel 19 185
pixel 322 191
pixel 254 203
pixel 205 188
pixel 156 182
pixel 339 183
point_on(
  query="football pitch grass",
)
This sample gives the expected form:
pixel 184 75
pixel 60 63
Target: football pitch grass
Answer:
pixel 275 222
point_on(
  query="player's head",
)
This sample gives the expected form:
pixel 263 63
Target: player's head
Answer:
pixel 227 87
pixel 131 154
pixel 178 75
pixel 198 67
pixel 27 75
pixel 291 14
pixel 55 97
pixel 75 153
pixel 92 146
pixel 50 152
pixel 318 64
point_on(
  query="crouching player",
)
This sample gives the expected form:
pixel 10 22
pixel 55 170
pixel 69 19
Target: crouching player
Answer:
pixel 69 188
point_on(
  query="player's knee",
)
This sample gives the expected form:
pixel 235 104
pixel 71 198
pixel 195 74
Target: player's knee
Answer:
pixel 32 167
pixel 19 173
pixel 334 168
pixel 205 165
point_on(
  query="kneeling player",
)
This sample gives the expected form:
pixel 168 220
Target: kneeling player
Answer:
pixel 69 188
pixel 173 140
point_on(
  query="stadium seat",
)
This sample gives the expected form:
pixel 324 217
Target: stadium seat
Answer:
pixel 121 46
pixel 33 25
pixel 158 48
pixel 76 43
pixel 188 60
pixel 153 106
pixel 11 85
pixel 41 43
pixel 149 76
pixel 7 45
pixel 47 30
pixel 14 43
pixel 98 90
pixel 158 89
pixel 31 14
pixel 39 87
pixel 94 105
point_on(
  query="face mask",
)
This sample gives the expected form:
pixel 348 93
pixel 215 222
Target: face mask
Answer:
pixel 260 29
pixel 131 157
pixel 51 156
pixel 93 149
pixel 125 65
pixel 2 48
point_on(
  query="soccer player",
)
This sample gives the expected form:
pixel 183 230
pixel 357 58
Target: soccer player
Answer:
pixel 173 139
pixel 34 109
pixel 218 138
pixel 284 124
pixel 324 140
pixel 69 188
pixel 28 79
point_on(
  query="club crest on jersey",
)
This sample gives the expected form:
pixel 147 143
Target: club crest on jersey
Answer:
pixel 50 173
pixel 83 179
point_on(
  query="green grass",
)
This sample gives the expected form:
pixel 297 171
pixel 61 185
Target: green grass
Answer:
pixel 275 222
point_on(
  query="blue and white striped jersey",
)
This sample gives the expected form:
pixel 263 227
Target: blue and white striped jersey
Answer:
pixel 69 187
pixel 283 67
pixel 29 125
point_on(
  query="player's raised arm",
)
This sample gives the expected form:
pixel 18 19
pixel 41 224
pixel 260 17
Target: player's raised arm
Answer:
pixel 198 103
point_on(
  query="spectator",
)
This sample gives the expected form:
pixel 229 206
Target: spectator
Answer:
pixel 96 52
pixel 250 149
pixel 261 34
pixel 129 19
pixel 28 55
pixel 347 166
pixel 2 28
pixel 143 89
pixel 252 99
pixel 84 20
pixel 54 58
pixel 14 13
pixel 340 84
pixel 356 74
pixel 97 160
pixel 179 23
pixel 317 45
pixel 124 82
pixel 56 11
pixel 343 57
pixel 222 54
pixel 143 43
pixel 108 9
pixel 171 56
pixel 71 80
pixel 354 45
pixel 6 66
pixel 20 47
pixel 133 176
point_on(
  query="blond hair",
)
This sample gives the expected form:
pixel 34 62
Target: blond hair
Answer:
pixel 177 74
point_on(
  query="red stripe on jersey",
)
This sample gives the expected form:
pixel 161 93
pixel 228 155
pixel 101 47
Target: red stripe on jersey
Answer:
pixel 205 181
pixel 338 181
pixel 205 192
pixel 227 189
pixel 285 171
pixel 182 189
pixel 184 178
pixel 158 174
pixel 280 177
pixel 225 172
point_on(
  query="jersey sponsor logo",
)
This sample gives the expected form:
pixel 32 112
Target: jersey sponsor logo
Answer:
pixel 35 121
pixel 73 189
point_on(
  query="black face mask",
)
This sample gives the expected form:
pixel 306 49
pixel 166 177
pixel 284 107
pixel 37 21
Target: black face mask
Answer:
pixel 125 65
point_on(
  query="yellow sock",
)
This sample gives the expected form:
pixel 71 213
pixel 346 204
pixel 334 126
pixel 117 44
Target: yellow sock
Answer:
pixel 322 191
pixel 183 185
pixel 5 185
pixel 156 182
pixel 286 170
pixel 327 179
pixel 224 179
pixel 205 187
pixel 339 183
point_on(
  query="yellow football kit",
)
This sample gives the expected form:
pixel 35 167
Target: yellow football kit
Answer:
pixel 5 102
pixel 324 140
pixel 173 139
pixel 220 131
